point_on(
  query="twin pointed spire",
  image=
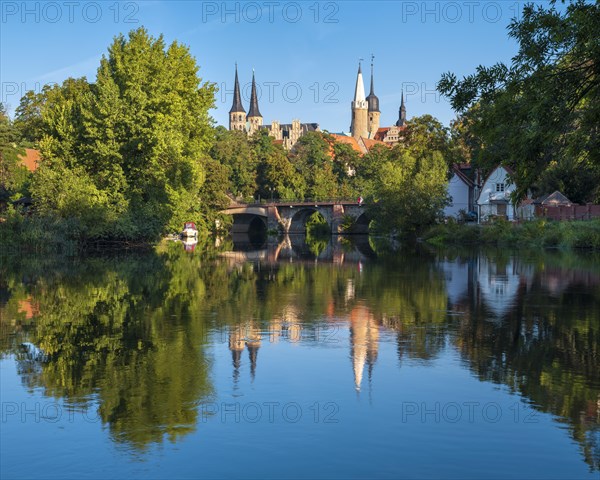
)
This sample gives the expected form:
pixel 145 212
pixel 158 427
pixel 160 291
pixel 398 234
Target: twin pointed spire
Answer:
pixel 237 106
pixel 254 111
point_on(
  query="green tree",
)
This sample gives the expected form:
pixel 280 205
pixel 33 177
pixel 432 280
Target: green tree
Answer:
pixel 411 191
pixel 368 171
pixel 140 135
pixel 312 158
pixel 545 106
pixel 425 134
pixel 276 175
pixel 28 117
pixel 463 145
pixel 213 193
pixel 13 175
pixel 233 149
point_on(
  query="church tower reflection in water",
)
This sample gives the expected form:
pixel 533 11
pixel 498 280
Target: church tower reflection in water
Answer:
pixel 364 342
pixel 363 338
pixel 242 337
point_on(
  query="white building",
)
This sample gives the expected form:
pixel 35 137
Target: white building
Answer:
pixel 461 191
pixel 494 197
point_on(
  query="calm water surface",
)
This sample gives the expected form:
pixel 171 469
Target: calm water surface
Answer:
pixel 335 360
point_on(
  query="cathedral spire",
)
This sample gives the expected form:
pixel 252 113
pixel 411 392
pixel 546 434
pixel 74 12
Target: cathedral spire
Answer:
pixel 401 113
pixel 253 111
pixel 237 106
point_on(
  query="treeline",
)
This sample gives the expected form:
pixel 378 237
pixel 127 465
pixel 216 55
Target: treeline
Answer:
pixel 135 154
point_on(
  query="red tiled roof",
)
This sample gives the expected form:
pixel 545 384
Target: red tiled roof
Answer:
pixel 369 143
pixel 348 141
pixel 31 159
pixel 380 134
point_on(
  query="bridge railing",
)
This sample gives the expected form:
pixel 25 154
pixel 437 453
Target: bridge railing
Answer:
pixel 296 201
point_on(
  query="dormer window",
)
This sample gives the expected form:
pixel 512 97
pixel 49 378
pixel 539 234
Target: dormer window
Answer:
pixel 500 187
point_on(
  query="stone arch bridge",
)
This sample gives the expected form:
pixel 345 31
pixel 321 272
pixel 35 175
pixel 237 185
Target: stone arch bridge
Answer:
pixel 291 217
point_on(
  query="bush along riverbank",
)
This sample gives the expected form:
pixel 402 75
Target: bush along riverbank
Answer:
pixel 538 233
pixel 52 234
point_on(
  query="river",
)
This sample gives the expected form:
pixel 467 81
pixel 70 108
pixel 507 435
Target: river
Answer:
pixel 331 359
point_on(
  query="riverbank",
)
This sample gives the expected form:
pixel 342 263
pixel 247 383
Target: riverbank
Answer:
pixel 55 235
pixel 538 233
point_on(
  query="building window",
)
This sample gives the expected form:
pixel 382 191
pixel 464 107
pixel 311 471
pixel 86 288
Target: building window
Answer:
pixel 499 187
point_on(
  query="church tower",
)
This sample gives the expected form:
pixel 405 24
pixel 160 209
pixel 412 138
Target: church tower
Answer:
pixel 401 113
pixel 359 125
pixel 255 119
pixel 237 114
pixel 374 112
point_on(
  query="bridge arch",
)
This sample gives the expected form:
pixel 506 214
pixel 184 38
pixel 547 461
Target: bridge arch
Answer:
pixel 299 219
pixel 361 224
pixel 248 223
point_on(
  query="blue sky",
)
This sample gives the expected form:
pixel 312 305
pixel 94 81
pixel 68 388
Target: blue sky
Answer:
pixel 305 54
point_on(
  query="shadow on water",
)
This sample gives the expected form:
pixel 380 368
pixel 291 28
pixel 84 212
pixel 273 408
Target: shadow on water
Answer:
pixel 129 325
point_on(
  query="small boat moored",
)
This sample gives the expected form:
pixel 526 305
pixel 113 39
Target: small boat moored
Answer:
pixel 189 230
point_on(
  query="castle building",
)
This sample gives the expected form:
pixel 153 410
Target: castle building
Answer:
pixel 289 133
pixel 285 133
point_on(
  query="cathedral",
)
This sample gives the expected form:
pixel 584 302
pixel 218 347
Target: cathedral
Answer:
pixel 366 115
pixel 285 133
pixel 364 126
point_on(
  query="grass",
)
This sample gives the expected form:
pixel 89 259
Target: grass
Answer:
pixel 538 233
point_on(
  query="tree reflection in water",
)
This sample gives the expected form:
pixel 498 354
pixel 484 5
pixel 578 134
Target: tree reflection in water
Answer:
pixel 130 333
